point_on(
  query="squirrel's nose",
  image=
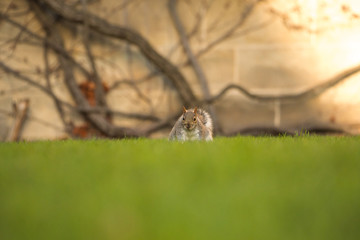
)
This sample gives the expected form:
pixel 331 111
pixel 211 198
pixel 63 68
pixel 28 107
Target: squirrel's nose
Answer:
pixel 188 125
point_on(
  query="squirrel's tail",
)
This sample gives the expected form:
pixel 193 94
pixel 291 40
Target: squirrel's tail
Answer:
pixel 205 118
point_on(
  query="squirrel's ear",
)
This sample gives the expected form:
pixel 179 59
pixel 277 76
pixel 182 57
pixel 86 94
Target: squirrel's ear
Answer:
pixel 184 109
pixel 195 110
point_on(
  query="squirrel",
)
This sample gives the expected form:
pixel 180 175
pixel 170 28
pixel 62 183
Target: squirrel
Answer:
pixel 193 124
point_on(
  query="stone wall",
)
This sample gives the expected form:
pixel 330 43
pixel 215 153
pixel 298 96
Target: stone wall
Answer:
pixel 284 47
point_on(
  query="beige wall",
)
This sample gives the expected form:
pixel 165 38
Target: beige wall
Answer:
pixel 279 57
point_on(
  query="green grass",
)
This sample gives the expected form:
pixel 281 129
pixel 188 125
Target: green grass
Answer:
pixel 232 188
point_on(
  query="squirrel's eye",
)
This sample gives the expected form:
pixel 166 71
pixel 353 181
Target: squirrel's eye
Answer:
pixel 194 119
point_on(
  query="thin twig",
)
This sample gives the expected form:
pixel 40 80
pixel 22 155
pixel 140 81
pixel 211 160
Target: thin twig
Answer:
pixel 35 119
pixel 166 123
pixel 53 46
pixel 130 62
pixel 21 110
pixel 195 29
pixel 99 90
pixel 137 116
pixel 244 16
pixel 120 7
pixel 18 75
pixel 57 102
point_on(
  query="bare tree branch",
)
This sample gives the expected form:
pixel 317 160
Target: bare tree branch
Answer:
pixel 99 90
pixel 86 109
pixel 192 59
pixel 199 19
pixel 32 82
pixel 53 46
pixel 231 32
pixel 187 49
pixel 137 116
pixel 133 85
pixel 125 4
pixel 307 94
pixel 35 119
pixel 14 42
pixel 244 16
pixel 20 110
pixel 48 84
pixel 96 119
pixel 101 26
pixel 129 58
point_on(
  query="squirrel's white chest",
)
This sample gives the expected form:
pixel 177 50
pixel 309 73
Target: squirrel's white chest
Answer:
pixel 191 135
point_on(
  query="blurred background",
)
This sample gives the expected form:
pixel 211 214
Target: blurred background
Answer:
pixel 110 68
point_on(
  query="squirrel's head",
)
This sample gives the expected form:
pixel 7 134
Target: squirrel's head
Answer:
pixel 189 118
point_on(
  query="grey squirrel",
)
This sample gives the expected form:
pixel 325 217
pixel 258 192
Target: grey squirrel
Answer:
pixel 193 124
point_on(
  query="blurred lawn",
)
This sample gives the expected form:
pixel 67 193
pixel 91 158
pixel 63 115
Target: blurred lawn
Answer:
pixel 232 188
